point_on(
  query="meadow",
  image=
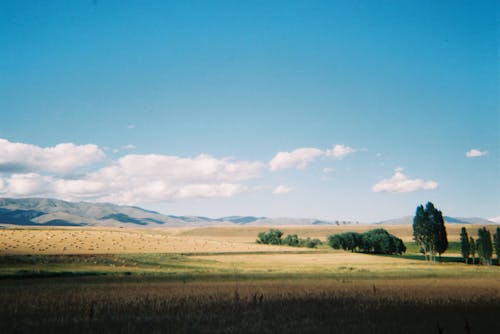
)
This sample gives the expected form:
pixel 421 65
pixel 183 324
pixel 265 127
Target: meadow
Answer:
pixel 217 279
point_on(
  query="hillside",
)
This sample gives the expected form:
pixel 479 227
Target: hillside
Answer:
pixel 53 212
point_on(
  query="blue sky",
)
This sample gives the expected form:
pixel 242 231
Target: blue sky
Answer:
pixel 181 106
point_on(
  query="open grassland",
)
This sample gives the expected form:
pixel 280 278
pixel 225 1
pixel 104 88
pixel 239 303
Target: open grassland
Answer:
pixel 86 240
pixel 218 279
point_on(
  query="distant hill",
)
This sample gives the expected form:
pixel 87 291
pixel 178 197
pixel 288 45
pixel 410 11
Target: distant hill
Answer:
pixel 53 212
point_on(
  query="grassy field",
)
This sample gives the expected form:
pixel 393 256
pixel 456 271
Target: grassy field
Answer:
pixel 219 280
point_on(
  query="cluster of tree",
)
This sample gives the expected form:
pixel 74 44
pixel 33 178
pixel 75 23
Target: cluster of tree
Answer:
pixel 377 241
pixel 274 237
pixel 429 231
pixel 483 245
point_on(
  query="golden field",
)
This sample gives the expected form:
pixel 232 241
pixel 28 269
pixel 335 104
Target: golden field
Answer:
pixel 223 239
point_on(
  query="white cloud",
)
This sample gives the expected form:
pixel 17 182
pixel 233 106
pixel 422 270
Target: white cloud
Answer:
pixel 495 219
pixel 301 157
pixel 65 157
pixel 137 179
pixel 339 152
pixel 129 147
pixel 281 189
pixel 474 153
pixel 399 183
pixel 298 158
pixel 29 184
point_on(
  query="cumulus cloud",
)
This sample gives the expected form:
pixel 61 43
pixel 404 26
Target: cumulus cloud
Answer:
pixel 129 147
pixel 281 189
pixel 400 183
pixel 143 178
pixel 65 157
pixel 339 151
pixel 298 158
pixel 474 153
pixel 301 157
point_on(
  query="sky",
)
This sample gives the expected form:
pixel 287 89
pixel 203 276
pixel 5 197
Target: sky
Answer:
pixel 349 110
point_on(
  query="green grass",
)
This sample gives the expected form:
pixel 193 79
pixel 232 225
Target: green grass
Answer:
pixel 187 267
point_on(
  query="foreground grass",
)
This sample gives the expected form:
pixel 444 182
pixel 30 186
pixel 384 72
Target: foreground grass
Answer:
pixel 150 304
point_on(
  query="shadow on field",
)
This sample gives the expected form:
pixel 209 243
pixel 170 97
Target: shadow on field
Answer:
pixel 87 306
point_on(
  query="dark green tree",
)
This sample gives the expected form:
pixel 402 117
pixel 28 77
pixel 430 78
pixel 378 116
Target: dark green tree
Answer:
pixel 377 241
pixel 335 241
pixel 464 244
pixel 273 237
pixel 429 231
pixel 496 242
pixel 291 240
pixel 441 237
pixel 484 246
pixel 472 247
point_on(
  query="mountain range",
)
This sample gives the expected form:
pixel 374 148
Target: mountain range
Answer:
pixel 53 212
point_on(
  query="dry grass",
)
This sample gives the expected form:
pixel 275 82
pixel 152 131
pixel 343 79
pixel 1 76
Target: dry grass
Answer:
pixel 319 306
pixel 119 241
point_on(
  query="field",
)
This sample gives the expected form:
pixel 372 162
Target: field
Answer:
pixel 218 279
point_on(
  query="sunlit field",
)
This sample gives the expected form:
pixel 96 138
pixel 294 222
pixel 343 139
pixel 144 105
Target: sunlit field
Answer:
pixel 219 279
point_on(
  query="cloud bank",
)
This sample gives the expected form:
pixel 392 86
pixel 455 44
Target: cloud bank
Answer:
pixel 28 170
pixel 400 183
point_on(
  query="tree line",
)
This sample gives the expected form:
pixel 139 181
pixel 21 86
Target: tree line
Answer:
pixel 274 237
pixel 377 241
pixel 483 245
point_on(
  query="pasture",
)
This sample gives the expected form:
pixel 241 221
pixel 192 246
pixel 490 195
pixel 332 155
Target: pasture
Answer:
pixel 217 279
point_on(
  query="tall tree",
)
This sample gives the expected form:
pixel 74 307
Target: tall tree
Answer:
pixel 472 247
pixel 429 231
pixel 439 230
pixel 419 233
pixel 484 247
pixel 496 242
pixel 464 244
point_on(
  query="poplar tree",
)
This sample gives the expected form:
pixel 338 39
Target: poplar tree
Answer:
pixel 484 247
pixel 429 231
pixel 496 242
pixel 472 247
pixel 464 245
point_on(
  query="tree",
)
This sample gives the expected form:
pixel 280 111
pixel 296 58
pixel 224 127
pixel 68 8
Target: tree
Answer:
pixel 335 241
pixel 496 241
pixel 484 247
pixel 472 247
pixel 291 240
pixel 273 237
pixel 377 241
pixel 429 231
pixel 464 244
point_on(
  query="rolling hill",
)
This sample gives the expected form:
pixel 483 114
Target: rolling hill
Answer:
pixel 53 212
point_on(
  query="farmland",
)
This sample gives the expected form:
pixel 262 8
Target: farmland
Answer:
pixel 217 279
